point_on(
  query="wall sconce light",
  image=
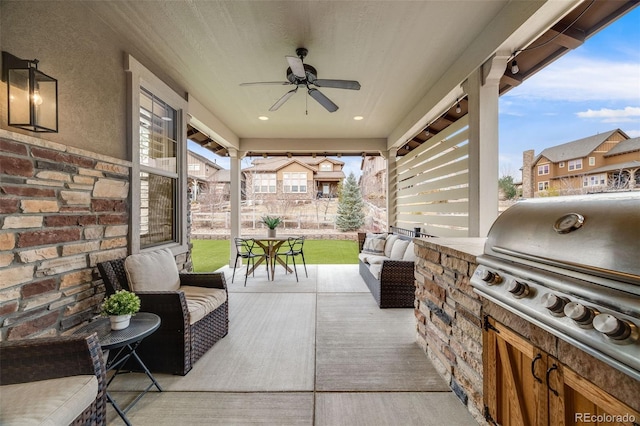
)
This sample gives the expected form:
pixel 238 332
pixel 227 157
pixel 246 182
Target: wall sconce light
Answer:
pixel 32 96
pixel 458 108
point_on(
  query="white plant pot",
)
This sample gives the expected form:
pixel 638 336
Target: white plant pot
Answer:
pixel 119 322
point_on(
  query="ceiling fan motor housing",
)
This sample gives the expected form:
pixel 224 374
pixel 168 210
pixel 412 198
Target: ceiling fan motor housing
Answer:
pixel 310 72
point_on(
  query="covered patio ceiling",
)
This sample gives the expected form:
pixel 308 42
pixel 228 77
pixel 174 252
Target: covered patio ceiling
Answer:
pixel 409 56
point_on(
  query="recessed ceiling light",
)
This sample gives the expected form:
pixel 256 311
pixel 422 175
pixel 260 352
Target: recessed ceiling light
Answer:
pixel 358 117
pixel 263 118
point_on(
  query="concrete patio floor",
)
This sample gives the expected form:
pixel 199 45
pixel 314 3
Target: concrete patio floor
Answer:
pixel 314 352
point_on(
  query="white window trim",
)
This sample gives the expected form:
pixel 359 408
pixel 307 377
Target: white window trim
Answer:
pixel 575 163
pixel 541 171
pixel 140 76
pixel 592 161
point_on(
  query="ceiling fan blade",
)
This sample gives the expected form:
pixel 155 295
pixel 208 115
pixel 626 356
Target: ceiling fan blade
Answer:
pixel 338 84
pixel 323 100
pixel 283 99
pixel 297 67
pixel 270 83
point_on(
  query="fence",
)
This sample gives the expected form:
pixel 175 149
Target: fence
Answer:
pixel 253 220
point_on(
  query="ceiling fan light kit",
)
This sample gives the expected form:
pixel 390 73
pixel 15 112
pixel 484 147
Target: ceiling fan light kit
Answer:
pixel 304 75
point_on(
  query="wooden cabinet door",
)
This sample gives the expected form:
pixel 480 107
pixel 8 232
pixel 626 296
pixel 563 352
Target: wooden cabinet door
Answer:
pixel 575 401
pixel 514 389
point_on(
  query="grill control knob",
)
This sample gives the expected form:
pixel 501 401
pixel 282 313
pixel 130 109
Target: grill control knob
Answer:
pixel 518 289
pixel 579 313
pixel 611 326
pixel 491 278
pixel 554 304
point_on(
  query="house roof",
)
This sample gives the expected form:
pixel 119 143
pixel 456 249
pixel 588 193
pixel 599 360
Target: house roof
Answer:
pixel 576 149
pixel 623 147
pixel 336 175
pixel 634 164
pixel 276 163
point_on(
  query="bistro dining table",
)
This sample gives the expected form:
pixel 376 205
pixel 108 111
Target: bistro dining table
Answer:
pixel 270 245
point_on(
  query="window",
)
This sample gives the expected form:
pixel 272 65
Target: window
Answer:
pixel 595 180
pixel 194 167
pixel 326 167
pixel 561 165
pixel 543 169
pixel 294 182
pixel 264 183
pixel 159 166
pixel 543 186
pixel 592 161
pixel 575 164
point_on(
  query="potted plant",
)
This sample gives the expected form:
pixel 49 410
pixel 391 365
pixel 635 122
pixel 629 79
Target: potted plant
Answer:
pixel 119 307
pixel 272 222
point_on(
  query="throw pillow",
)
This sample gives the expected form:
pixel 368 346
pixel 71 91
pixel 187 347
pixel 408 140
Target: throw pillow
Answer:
pixel 398 249
pixel 409 254
pixel 391 239
pixel 374 243
pixel 152 271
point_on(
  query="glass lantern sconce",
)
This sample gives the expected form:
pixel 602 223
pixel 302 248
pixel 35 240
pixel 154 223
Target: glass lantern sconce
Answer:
pixel 32 96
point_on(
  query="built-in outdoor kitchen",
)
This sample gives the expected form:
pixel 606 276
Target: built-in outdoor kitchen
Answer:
pixel 538 323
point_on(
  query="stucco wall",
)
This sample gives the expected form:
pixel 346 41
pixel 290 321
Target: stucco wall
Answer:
pixel 87 58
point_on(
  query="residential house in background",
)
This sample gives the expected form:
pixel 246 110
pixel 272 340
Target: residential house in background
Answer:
pixel 293 178
pixel 206 177
pixel 604 162
pixel 373 181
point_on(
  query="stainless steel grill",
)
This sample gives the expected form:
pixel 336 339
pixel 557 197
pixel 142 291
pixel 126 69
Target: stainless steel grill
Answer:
pixel 571 265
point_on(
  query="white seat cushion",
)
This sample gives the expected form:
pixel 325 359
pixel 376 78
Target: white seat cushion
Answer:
pixel 398 250
pixel 47 402
pixel 376 260
pixel 376 270
pixel 152 271
pixel 363 257
pixel 202 300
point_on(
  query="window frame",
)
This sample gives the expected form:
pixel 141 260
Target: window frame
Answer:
pixel 300 178
pixel 265 177
pixel 592 161
pixel 544 184
pixel 544 169
pixel 140 77
pixel 572 165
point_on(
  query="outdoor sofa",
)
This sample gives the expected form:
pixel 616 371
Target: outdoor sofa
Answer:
pixel 52 381
pixel 193 307
pixel 386 263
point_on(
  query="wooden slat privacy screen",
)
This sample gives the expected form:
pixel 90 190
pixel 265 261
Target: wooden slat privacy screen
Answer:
pixel 433 184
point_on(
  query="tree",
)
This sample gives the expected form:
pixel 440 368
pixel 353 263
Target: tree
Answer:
pixel 505 183
pixel 350 205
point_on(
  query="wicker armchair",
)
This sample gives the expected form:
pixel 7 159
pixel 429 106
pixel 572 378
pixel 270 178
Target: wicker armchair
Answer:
pixel 177 344
pixel 30 360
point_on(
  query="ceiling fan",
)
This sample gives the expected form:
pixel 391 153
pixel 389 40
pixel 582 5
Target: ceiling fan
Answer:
pixel 300 74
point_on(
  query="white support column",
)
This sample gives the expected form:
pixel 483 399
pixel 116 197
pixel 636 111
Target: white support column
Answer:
pixel 235 198
pixel 482 90
pixel 392 187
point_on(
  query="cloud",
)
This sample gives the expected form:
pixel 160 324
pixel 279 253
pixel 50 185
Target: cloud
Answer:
pixel 578 79
pixel 633 133
pixel 611 115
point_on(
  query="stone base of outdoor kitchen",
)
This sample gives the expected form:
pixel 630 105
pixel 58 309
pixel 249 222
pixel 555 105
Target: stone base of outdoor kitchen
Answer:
pixel 450 318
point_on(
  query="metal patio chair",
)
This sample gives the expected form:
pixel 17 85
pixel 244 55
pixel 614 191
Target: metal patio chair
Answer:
pixel 245 249
pixel 295 248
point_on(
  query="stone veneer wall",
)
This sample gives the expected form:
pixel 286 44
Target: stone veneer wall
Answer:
pixel 62 210
pixel 449 318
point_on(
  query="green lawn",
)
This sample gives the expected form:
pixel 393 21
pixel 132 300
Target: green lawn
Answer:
pixel 209 255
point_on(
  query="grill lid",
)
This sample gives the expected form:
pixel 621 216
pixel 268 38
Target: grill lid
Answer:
pixel 598 234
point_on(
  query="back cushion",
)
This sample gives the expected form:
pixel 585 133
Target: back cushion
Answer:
pixel 389 244
pixel 374 243
pixel 398 249
pixel 152 271
pixel 409 254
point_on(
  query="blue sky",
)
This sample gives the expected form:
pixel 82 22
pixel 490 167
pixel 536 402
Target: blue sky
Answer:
pixel 592 89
